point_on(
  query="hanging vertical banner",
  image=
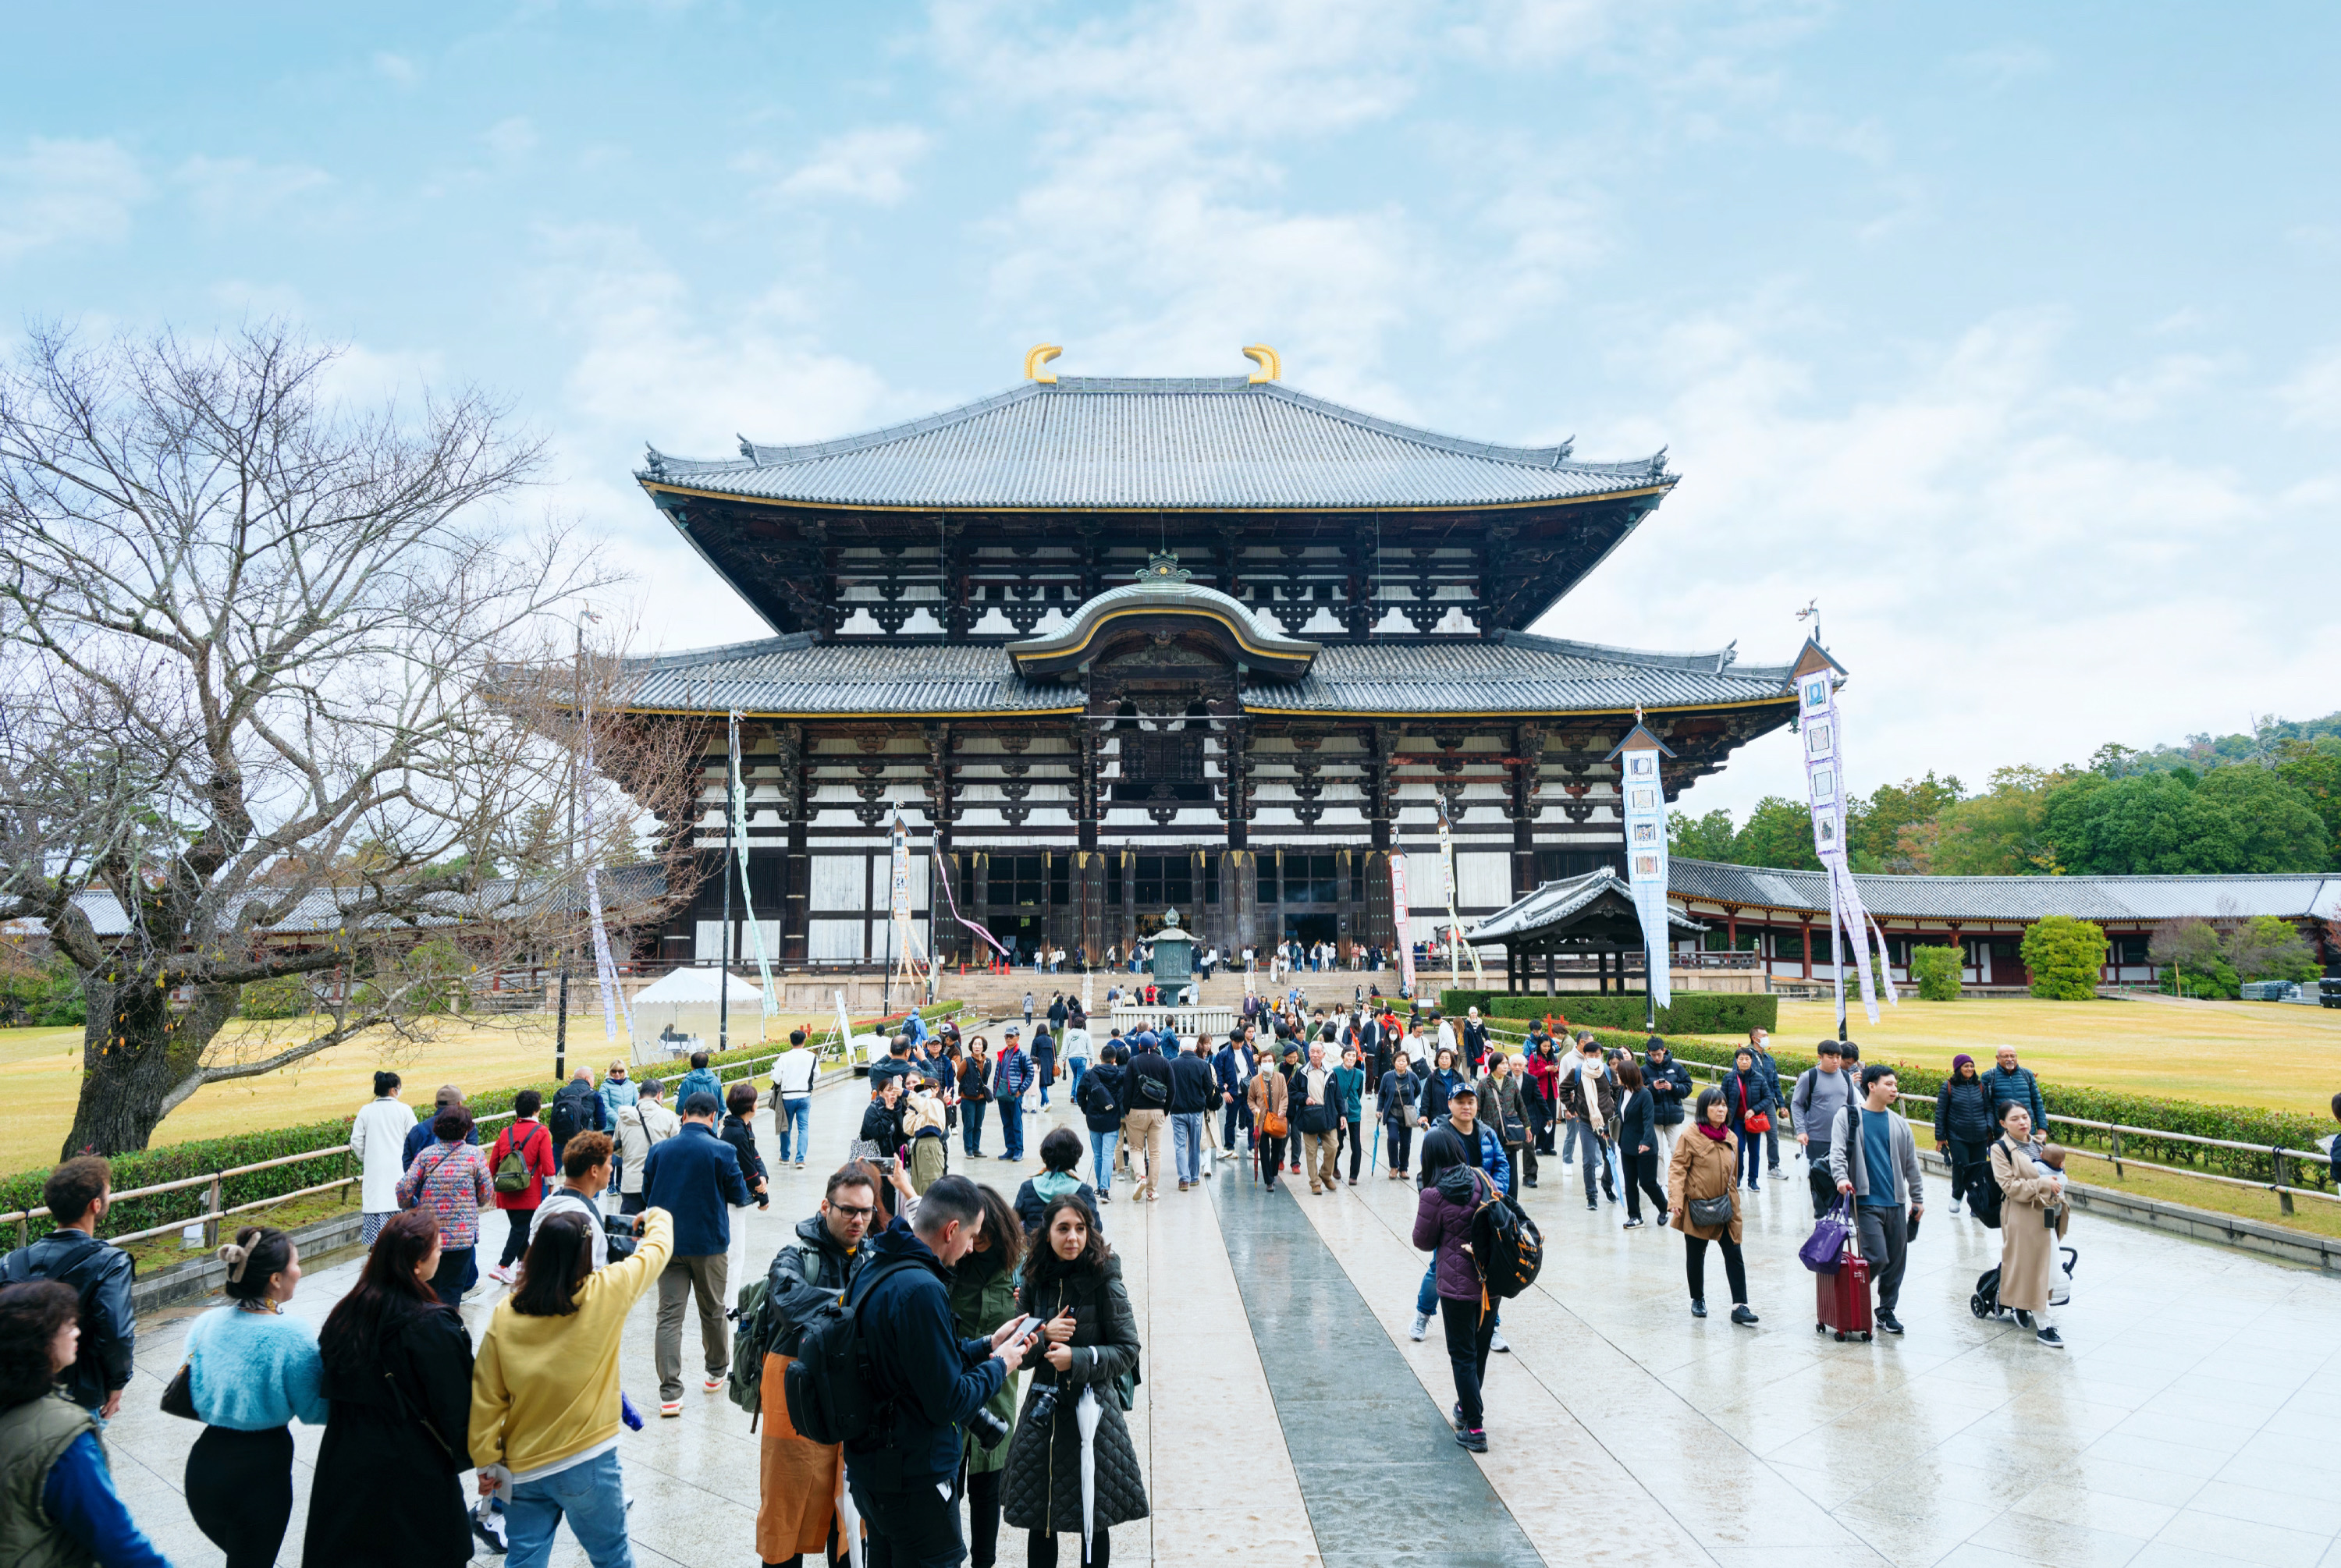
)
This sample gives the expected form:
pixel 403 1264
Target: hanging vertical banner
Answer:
pixel 942 873
pixel 1398 923
pixel 1454 921
pixel 1815 676
pixel 1644 808
pixel 738 805
pixel 605 969
pixel 910 958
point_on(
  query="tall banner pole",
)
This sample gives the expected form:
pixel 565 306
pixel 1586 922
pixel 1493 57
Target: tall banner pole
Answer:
pixel 1454 920
pixel 605 968
pixel 1817 677
pixel 1641 782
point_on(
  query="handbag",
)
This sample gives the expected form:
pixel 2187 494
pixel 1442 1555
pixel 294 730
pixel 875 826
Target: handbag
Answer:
pixel 1759 1121
pixel 1826 1245
pixel 179 1393
pixel 1273 1125
pixel 1707 1213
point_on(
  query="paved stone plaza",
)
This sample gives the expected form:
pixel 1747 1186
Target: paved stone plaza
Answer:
pixel 1285 1418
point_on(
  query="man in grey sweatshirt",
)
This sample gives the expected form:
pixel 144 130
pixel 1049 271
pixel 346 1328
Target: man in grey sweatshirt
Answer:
pixel 1875 1158
pixel 1820 1093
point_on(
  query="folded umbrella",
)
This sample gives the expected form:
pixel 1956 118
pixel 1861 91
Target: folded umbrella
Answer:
pixel 1085 1417
pixel 849 1519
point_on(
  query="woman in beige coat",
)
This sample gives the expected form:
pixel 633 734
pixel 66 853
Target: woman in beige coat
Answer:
pixel 1706 1166
pixel 2032 1218
pixel 1269 1094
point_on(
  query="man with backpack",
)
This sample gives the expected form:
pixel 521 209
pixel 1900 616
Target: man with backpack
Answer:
pixel 793 1079
pixel 1194 1096
pixel 1476 1145
pixel 1822 1091
pixel 695 1177
pixel 79 1193
pixel 1147 1091
pixel 642 1128
pixel 1099 1096
pixel 2012 1085
pixel 1012 1075
pixel 918 1380
pixel 520 1164
pixel 1483 1249
pixel 797 1478
pixel 577 1109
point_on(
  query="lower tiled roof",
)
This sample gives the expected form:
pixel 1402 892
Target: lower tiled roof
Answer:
pixel 2122 899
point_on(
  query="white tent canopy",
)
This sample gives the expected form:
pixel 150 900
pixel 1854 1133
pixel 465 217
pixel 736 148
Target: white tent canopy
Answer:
pixel 698 987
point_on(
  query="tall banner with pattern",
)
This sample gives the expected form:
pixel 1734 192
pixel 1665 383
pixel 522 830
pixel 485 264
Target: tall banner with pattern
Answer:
pixel 1405 941
pixel 605 969
pixel 910 956
pixel 738 805
pixel 1454 921
pixel 1644 808
pixel 1817 676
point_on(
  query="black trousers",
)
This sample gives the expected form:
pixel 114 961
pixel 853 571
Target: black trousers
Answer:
pixel 917 1527
pixel 1470 1333
pixel 1040 1550
pixel 983 1515
pixel 632 1203
pixel 1401 1146
pixel 1970 1166
pixel 240 1491
pixel 1643 1176
pixel 517 1221
pixel 1824 1185
pixel 1356 1137
pixel 1735 1267
pixel 1271 1158
pixel 459 1271
pixel 1231 1116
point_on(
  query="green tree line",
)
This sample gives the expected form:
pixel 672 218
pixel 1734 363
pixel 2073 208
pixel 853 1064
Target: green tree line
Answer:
pixel 2267 802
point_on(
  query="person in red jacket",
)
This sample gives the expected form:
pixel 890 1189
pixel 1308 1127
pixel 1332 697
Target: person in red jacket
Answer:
pixel 542 1164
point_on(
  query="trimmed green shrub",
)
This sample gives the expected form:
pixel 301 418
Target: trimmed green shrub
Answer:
pixel 1937 969
pixel 1690 1013
pixel 2065 957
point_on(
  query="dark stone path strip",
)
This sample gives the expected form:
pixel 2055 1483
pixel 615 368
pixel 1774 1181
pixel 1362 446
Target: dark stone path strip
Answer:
pixel 1383 1480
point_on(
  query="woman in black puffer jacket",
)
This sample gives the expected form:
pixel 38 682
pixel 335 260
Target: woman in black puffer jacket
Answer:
pixel 1964 1129
pixel 1072 1283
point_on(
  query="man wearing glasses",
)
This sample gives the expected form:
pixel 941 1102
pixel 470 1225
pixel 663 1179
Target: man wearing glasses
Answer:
pixel 798 1477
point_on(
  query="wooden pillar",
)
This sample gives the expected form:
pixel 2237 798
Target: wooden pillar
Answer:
pixel 1552 981
pixel 1808 948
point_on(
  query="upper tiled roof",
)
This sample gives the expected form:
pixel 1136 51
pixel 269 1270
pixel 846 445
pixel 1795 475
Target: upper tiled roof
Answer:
pixel 1512 673
pixel 2122 899
pixel 1086 441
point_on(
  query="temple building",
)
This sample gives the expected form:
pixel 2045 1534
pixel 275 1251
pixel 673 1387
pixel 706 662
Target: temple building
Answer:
pixel 1110 646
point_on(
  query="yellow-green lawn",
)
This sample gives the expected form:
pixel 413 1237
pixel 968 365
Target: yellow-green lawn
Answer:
pixel 40 1077
pixel 2280 1055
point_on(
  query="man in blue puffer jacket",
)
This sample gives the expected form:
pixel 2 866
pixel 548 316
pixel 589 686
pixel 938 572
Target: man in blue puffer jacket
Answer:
pixel 1012 1075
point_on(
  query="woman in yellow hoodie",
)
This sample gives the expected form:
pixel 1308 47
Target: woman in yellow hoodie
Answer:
pixel 545 1412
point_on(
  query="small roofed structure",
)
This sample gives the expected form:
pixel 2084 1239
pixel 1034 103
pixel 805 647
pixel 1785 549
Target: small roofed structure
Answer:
pixel 1592 913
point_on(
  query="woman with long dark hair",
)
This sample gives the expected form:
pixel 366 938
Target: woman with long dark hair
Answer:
pixel 1072 1286
pixel 398 1377
pixel 982 1297
pixel 251 1370
pixel 546 1411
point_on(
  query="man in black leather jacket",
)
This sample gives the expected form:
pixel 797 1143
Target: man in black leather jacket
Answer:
pixel 79 1193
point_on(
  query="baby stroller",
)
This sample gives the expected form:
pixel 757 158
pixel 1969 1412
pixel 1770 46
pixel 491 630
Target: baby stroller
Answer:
pixel 1985 1302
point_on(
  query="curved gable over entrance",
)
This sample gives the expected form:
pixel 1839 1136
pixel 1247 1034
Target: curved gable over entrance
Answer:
pixel 1166 610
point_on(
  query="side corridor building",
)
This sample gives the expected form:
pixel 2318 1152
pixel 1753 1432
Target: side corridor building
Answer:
pixel 1110 646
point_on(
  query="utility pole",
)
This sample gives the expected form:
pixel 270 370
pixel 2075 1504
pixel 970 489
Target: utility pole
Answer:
pixel 569 864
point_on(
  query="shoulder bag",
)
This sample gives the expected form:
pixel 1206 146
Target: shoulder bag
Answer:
pixel 179 1393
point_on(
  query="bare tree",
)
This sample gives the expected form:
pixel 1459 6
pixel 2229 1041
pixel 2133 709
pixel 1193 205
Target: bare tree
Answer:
pixel 278 683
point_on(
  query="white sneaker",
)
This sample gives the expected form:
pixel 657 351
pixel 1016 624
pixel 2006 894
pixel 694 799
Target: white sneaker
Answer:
pixel 500 1274
pixel 713 1385
pixel 1496 1342
pixel 1421 1328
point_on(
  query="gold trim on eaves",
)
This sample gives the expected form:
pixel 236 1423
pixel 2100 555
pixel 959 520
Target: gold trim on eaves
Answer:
pixel 928 509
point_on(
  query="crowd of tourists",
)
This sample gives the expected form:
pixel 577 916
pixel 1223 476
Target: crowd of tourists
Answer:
pixel 946 1290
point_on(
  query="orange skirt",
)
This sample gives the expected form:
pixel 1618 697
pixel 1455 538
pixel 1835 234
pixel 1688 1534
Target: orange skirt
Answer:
pixel 798 1480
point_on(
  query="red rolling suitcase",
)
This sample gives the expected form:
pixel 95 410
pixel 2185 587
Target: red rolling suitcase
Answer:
pixel 1844 1296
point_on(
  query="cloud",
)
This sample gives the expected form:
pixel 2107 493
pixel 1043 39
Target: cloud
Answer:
pixel 2312 398
pixel 2003 65
pixel 512 138
pixel 872 165
pixel 397 69
pixel 66 193
pixel 237 191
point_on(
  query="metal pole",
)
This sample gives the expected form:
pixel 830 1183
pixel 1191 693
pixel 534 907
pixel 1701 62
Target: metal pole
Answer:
pixel 723 974
pixel 569 858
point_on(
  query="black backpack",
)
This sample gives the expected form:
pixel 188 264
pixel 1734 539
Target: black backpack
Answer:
pixel 1504 1242
pixel 568 1117
pixel 1983 1201
pixel 831 1396
pixel 1097 1096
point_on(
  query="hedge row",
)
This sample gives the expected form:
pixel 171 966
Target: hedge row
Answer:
pixel 1690 1013
pixel 175 1162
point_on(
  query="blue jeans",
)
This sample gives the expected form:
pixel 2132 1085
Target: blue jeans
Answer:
pixel 971 1124
pixel 1102 1145
pixel 591 1496
pixel 1751 1156
pixel 1012 1128
pixel 1187 1145
pixel 1081 1066
pixel 795 1127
